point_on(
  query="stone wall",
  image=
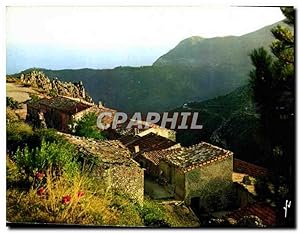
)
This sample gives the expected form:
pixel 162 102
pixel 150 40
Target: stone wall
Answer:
pixel 53 118
pixel 166 171
pixel 179 183
pixel 210 185
pixel 129 180
pixel 124 178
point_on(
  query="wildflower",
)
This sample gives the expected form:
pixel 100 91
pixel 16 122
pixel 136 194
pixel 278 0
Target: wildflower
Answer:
pixel 80 194
pixel 66 199
pixel 41 191
pixel 39 175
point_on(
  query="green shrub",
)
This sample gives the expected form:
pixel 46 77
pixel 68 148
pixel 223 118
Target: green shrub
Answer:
pixel 60 157
pixel 11 116
pixel 13 176
pixel 130 214
pixel 87 127
pixel 262 188
pixel 47 135
pixel 53 93
pixel 153 214
pixel 18 133
pixel 13 104
pixel 33 98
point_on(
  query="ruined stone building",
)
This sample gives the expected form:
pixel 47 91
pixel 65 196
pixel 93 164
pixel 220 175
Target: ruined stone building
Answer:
pixel 59 112
pixel 115 166
pixel 200 175
pixel 244 177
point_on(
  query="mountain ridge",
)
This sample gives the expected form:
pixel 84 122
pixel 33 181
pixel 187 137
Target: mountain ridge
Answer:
pixel 189 48
pixel 215 68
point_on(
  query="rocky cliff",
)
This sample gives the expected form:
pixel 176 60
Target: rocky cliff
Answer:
pixel 54 87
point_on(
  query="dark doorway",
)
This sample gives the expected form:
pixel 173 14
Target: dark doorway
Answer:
pixel 195 205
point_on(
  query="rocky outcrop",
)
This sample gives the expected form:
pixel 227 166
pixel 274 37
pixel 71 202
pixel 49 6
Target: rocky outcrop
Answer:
pixel 55 87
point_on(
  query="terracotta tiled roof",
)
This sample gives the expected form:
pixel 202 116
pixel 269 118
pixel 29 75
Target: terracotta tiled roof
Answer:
pixel 148 142
pixel 189 158
pixel 153 156
pixel 249 168
pixel 262 210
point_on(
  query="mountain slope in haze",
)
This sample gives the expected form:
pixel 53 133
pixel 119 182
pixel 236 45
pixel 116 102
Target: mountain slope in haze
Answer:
pixel 197 69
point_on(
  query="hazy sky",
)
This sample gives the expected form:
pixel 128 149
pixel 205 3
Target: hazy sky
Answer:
pixel 105 37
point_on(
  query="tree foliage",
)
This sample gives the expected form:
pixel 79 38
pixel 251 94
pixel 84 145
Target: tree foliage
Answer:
pixel 13 104
pixel 273 84
pixel 87 127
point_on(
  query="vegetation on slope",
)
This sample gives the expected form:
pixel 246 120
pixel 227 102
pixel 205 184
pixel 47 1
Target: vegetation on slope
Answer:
pixel 49 181
pixel 273 83
pixel 86 127
pixel 229 121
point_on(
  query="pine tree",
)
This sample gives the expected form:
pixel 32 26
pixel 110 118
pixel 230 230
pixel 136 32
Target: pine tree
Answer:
pixel 273 84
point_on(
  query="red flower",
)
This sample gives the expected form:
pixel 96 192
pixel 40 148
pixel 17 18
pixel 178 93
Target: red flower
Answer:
pixel 39 175
pixel 66 199
pixel 80 194
pixel 41 191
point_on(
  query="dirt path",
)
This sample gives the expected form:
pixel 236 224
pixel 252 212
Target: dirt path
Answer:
pixel 18 92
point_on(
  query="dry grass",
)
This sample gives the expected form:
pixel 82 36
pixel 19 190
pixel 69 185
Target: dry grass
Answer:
pixel 50 203
pixel 18 92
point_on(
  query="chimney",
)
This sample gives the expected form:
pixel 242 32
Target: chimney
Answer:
pixel 136 149
pixel 136 131
pixel 100 104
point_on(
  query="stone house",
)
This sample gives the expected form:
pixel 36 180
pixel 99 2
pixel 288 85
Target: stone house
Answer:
pixel 138 144
pixel 59 112
pixel 156 129
pixel 150 142
pixel 200 175
pixel 115 167
pixel 146 128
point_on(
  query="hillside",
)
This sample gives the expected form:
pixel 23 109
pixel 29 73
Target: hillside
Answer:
pixel 218 52
pixel 197 69
pixel 229 121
